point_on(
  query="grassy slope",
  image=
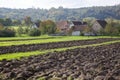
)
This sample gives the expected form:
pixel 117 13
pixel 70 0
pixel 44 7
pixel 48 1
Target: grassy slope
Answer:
pixel 25 54
pixel 56 39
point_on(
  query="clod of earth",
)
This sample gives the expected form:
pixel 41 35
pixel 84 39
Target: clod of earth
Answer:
pixel 91 63
pixel 52 45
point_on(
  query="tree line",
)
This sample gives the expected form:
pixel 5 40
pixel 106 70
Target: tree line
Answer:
pixel 38 27
pixel 57 14
pixel 32 28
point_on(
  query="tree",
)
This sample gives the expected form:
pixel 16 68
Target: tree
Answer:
pixel 89 20
pixel 8 22
pixel 26 30
pixel 17 22
pixel 1 26
pixel 43 27
pixel 34 32
pixel 50 26
pixel 112 28
pixel 20 31
pixel 27 21
pixel 87 29
pixel 47 27
pixel 108 28
pixel 2 21
pixel 6 32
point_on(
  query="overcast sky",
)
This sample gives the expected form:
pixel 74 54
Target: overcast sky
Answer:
pixel 46 4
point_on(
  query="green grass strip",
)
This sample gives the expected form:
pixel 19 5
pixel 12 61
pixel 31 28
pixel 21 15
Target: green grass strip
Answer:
pixel 64 38
pixel 26 54
pixel 45 40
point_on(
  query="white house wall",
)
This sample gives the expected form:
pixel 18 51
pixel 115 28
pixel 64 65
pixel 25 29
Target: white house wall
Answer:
pixel 76 33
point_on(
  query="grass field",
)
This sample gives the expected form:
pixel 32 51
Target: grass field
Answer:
pixel 28 37
pixel 55 39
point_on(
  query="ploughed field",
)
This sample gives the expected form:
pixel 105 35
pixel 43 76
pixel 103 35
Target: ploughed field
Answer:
pixel 91 63
pixel 51 45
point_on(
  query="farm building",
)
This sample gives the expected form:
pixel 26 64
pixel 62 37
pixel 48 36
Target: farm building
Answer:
pixel 99 25
pixel 74 27
pixel 78 27
pixel 62 26
pixel 34 26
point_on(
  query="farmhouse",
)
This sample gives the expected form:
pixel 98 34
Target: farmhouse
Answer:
pixel 72 27
pixel 99 25
pixel 78 27
pixel 34 26
pixel 62 26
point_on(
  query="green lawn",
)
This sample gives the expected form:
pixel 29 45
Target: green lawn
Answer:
pixel 28 37
pixel 56 39
pixel 16 27
pixel 26 54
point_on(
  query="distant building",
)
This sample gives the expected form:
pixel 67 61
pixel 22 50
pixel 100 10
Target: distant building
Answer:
pixel 99 25
pixel 62 26
pixel 76 27
pixel 34 26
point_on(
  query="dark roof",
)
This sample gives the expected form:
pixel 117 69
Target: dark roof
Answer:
pixel 77 22
pixel 84 23
pixel 102 23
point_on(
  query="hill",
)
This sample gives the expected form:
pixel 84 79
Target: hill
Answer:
pixel 62 13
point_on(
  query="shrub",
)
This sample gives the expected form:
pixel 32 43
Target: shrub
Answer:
pixel 7 33
pixel 82 34
pixel 34 32
pixel 20 31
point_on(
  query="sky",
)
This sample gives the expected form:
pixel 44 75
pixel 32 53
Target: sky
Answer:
pixel 47 4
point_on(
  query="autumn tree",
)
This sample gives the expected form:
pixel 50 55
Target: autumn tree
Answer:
pixel 47 27
pixel 43 27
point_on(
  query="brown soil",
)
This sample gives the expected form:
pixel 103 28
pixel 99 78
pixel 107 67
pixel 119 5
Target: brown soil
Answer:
pixel 91 63
pixel 52 45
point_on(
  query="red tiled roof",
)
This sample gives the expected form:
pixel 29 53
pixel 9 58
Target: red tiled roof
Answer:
pixel 62 24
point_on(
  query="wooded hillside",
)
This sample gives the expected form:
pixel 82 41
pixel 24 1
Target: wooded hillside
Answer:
pixel 62 13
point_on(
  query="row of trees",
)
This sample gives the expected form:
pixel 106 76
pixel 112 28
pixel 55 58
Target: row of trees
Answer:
pixel 41 27
pixel 49 26
pixel 6 22
pixel 9 22
pixel 61 13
